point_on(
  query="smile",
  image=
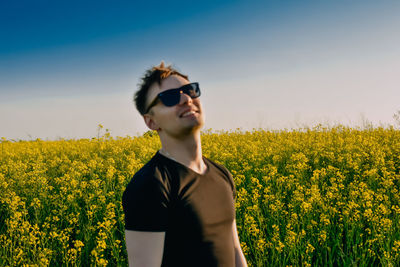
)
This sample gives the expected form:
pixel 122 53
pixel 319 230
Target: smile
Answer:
pixel 188 113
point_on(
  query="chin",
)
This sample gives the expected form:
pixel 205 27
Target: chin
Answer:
pixel 193 128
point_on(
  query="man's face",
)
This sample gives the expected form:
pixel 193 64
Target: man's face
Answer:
pixel 171 119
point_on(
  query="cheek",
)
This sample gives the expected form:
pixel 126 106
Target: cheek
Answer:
pixel 167 116
pixel 197 103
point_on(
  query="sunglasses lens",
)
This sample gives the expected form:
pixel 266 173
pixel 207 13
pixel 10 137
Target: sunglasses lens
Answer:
pixel 193 90
pixel 170 98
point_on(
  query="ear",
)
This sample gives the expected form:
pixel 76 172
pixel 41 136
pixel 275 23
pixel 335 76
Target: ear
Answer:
pixel 150 122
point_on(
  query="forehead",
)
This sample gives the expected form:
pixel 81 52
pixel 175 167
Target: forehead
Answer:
pixel 173 81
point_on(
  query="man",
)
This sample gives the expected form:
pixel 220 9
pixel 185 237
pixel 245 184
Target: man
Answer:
pixel 179 207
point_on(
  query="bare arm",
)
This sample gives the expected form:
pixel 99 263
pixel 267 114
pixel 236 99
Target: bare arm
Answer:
pixel 144 248
pixel 239 257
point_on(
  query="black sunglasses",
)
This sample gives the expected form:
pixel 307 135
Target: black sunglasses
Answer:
pixel 171 97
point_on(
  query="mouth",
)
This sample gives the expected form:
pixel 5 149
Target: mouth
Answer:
pixel 188 114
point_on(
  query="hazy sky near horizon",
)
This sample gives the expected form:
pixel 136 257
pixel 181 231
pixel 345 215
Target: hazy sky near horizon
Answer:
pixel 67 66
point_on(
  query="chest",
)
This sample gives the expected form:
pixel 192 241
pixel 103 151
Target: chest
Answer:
pixel 205 202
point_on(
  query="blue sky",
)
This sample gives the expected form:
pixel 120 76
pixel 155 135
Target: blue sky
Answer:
pixel 66 67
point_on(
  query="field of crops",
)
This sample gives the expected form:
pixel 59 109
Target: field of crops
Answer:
pixel 304 197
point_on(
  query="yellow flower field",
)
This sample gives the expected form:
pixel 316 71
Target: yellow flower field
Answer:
pixel 305 197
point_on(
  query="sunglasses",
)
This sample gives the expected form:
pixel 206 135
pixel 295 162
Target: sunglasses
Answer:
pixel 171 97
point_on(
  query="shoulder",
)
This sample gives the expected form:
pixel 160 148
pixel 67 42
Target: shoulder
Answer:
pixel 226 174
pixel 220 167
pixel 150 176
pixel 146 199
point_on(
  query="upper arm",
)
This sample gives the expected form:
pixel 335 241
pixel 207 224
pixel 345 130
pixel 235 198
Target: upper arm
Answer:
pixel 236 241
pixel 144 248
pixel 145 205
pixel 240 259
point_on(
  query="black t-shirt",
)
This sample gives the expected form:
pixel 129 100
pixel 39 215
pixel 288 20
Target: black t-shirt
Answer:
pixel 196 211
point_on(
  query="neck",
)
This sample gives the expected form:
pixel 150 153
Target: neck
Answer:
pixel 186 151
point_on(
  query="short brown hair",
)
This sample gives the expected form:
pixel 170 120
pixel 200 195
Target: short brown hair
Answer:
pixel 153 75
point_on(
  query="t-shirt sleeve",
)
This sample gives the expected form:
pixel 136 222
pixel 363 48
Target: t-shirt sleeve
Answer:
pixel 233 185
pixel 145 204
